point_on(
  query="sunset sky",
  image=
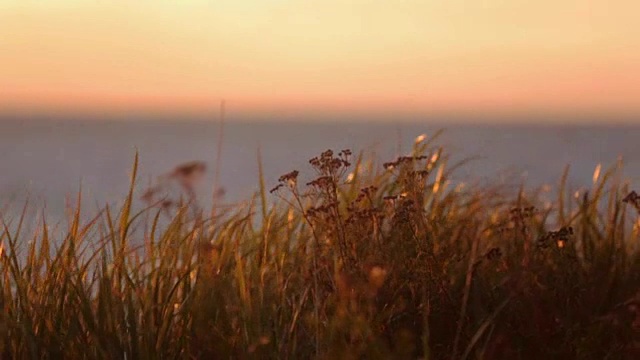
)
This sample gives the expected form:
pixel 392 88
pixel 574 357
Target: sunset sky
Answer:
pixel 353 56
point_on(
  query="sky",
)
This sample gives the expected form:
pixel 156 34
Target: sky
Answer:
pixel 576 58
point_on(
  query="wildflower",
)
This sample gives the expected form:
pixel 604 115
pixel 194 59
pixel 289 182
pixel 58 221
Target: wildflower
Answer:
pixel 634 199
pixel 291 179
pixel 345 153
pixel 189 170
pixel 560 237
pixel 149 194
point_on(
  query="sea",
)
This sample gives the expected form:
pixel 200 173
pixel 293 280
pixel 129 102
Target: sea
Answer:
pixel 45 163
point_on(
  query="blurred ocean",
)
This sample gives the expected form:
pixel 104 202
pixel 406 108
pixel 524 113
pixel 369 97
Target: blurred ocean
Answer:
pixel 48 160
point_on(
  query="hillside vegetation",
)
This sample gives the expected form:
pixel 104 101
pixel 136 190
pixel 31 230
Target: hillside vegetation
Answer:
pixel 361 260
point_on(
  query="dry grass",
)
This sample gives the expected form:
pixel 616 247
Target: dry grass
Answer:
pixel 360 261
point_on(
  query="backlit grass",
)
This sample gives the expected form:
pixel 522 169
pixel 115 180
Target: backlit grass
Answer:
pixel 361 260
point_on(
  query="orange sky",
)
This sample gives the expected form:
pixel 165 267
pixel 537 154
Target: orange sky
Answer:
pixel 431 56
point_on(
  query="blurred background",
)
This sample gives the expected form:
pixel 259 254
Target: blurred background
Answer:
pixel 523 87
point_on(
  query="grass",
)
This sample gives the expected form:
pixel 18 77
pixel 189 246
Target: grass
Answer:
pixel 362 261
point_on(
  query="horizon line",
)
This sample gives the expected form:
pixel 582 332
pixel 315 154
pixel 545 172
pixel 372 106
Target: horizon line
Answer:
pixel 300 116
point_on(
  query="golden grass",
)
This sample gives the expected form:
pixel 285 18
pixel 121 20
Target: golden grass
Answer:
pixel 392 263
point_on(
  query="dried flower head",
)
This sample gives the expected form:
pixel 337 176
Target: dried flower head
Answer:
pixel 189 170
pixel 560 237
pixel 634 199
pixel 290 179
